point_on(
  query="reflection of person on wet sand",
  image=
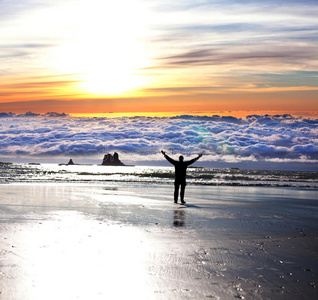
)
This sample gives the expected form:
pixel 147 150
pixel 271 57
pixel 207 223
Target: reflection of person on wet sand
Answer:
pixel 180 174
pixel 179 218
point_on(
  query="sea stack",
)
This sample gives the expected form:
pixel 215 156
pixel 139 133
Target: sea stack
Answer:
pixel 112 160
pixel 70 162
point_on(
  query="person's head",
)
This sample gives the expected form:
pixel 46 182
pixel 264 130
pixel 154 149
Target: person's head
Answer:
pixel 181 158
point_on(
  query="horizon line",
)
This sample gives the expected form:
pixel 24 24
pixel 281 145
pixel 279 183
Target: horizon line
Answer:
pixel 222 113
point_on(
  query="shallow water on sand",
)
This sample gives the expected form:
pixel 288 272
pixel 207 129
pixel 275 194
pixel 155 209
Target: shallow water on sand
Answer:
pixel 129 241
pixel 97 174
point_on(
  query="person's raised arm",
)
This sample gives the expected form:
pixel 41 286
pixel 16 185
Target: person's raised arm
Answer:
pixel 168 158
pixel 190 162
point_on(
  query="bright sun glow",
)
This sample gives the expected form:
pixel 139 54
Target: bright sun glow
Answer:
pixel 107 52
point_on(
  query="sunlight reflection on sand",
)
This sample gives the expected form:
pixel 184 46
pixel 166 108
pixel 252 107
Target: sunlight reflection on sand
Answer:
pixel 71 256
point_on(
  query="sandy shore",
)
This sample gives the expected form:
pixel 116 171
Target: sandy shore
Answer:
pixel 131 242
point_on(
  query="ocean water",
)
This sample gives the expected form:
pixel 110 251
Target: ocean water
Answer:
pixel 97 174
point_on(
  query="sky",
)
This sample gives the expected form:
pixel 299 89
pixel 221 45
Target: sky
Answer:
pixel 132 56
pixel 235 80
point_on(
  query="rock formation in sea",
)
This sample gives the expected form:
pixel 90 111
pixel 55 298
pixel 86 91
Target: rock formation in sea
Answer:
pixel 108 160
pixel 70 163
pixel 112 160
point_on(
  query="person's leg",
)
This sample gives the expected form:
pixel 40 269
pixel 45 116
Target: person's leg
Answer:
pixel 176 192
pixel 182 193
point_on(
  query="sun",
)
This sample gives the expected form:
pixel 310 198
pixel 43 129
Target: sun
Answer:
pixel 110 82
pixel 113 66
pixel 107 51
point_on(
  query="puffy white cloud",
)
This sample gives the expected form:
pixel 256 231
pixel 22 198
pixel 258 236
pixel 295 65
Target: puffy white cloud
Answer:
pixel 229 139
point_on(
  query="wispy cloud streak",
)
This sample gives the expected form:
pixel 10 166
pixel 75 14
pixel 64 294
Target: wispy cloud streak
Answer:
pixel 237 39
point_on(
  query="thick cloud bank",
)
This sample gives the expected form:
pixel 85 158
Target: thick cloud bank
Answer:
pixel 229 139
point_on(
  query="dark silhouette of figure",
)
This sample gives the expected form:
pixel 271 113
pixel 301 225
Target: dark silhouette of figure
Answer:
pixel 180 174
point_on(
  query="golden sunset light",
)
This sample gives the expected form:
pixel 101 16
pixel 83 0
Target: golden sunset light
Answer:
pixel 106 53
pixel 196 57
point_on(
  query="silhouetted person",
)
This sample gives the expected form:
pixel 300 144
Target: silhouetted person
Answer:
pixel 180 174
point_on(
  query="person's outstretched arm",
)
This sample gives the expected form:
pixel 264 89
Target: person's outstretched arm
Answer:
pixel 168 158
pixel 190 162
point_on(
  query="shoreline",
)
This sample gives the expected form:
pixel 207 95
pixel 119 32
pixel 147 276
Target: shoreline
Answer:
pixel 80 173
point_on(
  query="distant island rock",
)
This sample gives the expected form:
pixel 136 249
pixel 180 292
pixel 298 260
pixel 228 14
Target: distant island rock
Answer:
pixel 70 163
pixel 112 160
pixel 108 160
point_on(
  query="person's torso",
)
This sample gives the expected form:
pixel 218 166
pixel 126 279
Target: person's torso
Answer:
pixel 180 171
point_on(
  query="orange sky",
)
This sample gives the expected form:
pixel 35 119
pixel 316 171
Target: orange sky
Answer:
pixel 301 102
pixel 158 56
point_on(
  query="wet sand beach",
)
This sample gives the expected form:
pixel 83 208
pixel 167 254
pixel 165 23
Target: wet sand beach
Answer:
pixel 130 241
